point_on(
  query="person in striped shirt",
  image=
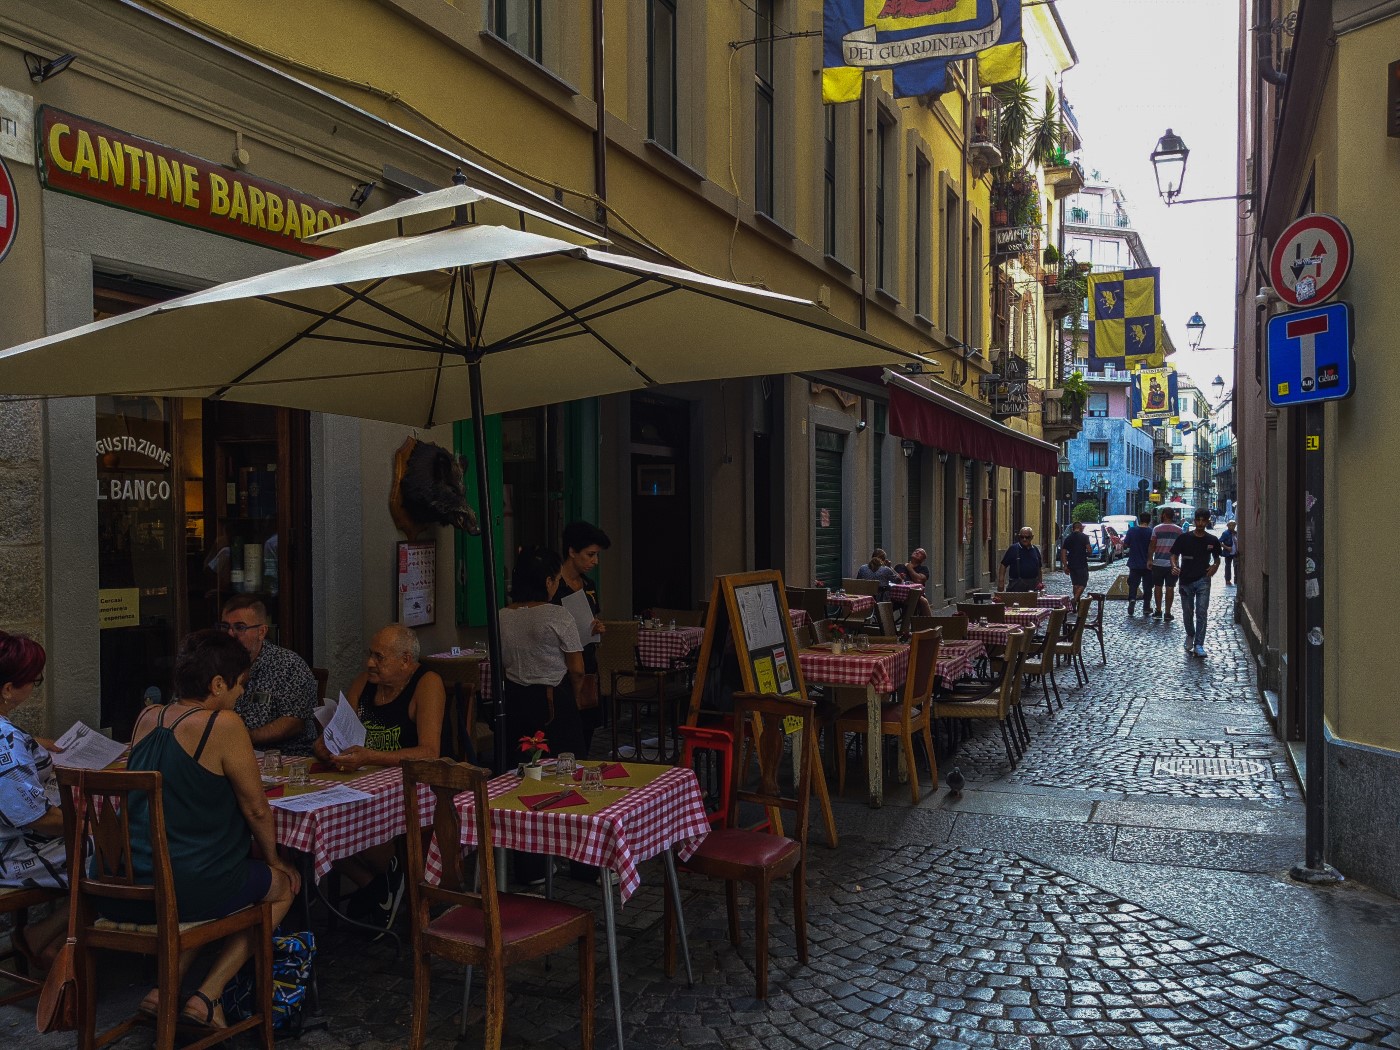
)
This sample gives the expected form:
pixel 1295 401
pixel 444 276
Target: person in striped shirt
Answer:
pixel 1163 537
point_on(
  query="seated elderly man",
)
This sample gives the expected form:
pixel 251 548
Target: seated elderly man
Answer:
pixel 278 701
pixel 400 703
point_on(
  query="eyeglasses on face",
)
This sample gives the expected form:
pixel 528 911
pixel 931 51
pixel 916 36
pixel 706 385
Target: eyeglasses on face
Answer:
pixel 238 628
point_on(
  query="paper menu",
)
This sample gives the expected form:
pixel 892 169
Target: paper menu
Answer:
pixel 345 729
pixel 763 625
pixel 576 604
pixel 339 795
pixel 86 748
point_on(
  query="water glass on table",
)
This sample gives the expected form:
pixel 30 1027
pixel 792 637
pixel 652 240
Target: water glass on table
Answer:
pixel 298 771
pixel 271 763
pixel 592 780
pixel 564 765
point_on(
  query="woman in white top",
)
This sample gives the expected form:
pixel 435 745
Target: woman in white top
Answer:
pixel 542 656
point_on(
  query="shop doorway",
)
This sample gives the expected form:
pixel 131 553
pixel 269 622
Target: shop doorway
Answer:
pixel 196 501
pixel 662 538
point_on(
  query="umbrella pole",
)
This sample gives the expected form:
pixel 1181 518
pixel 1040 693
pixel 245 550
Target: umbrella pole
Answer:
pixel 488 563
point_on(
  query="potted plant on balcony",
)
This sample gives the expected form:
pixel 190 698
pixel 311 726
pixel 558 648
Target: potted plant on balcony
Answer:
pixel 1075 397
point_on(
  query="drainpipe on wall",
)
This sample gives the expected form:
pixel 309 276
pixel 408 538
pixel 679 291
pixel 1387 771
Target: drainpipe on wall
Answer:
pixel 1263 53
pixel 600 136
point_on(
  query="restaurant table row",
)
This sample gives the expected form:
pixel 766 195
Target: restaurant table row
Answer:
pixel 902 592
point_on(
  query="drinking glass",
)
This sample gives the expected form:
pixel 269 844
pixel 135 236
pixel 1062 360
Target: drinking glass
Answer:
pixel 862 643
pixel 272 763
pixel 564 765
pixel 298 771
pixel 592 780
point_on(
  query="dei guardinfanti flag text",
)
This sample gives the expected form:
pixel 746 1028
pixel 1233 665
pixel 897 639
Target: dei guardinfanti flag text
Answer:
pixel 1154 397
pixel 916 39
pixel 1125 322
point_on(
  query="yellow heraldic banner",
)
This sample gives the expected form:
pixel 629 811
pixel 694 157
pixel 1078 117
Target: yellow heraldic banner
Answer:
pixel 1125 323
pixel 1154 399
pixel 915 40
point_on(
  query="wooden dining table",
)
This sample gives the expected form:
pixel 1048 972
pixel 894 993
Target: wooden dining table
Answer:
pixel 640 814
pixel 880 670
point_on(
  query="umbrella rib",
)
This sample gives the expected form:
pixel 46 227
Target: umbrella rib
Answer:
pixel 551 324
pixel 582 323
pixel 352 322
pixel 396 315
pixel 324 318
pixel 386 343
pixel 485 302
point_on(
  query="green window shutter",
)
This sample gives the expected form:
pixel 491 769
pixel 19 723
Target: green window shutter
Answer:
pixel 470 591
pixel 830 558
pixel 583 433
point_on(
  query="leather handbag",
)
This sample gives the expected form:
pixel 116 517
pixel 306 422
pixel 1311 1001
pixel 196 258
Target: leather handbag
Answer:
pixel 587 698
pixel 57 1010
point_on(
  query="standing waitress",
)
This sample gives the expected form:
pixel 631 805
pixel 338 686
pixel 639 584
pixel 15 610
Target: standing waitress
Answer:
pixel 583 541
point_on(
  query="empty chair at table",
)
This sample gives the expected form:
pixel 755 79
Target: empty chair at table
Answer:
pixel 974 612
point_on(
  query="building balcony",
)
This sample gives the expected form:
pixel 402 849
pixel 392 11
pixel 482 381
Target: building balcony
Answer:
pixel 1103 220
pixel 1056 424
pixel 1065 179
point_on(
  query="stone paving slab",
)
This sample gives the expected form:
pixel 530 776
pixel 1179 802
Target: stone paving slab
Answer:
pixel 1073 808
pixel 1241 817
pixel 1228 851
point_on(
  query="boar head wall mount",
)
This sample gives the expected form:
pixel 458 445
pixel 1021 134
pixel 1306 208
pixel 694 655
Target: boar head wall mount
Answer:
pixel 428 490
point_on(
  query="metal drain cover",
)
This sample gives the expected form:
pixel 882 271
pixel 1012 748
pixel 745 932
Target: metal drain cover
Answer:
pixel 1210 768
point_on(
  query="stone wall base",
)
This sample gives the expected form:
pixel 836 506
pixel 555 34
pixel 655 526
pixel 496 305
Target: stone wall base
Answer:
pixel 1363 813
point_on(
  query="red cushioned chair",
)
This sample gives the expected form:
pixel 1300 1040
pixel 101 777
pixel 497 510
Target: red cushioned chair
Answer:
pixel 487 929
pixel 738 854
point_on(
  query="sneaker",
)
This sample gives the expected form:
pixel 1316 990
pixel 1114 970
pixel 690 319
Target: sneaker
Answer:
pixel 1190 647
pixel 1200 650
pixel 386 906
pixel 1130 608
pixel 1167 616
pixel 1157 614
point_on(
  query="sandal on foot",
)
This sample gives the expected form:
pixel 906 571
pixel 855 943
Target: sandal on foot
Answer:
pixel 209 1005
pixel 150 1005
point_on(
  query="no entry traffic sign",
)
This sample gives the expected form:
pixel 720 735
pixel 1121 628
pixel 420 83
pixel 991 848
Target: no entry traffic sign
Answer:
pixel 9 210
pixel 1311 260
pixel 1310 355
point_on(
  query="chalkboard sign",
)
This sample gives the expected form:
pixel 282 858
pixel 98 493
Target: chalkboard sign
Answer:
pixel 749 646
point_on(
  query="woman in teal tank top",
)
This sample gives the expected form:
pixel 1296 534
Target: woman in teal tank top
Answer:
pixel 215 810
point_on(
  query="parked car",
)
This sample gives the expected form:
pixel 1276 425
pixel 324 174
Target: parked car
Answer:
pixel 1121 522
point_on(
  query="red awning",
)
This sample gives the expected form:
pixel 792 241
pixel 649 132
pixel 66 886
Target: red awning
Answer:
pixel 931 419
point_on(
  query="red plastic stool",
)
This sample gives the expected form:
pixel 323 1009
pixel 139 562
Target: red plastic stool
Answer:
pixel 715 749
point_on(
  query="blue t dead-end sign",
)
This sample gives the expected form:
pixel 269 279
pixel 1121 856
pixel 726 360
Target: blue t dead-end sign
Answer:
pixel 1310 355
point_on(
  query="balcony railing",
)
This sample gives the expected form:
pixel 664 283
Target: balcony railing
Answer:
pixel 1115 220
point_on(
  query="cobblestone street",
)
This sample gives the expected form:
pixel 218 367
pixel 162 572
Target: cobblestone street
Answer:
pixel 1100 894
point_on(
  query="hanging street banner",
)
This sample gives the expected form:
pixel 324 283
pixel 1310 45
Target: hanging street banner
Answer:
pixel 104 164
pixel 1154 397
pixel 916 39
pixel 1125 323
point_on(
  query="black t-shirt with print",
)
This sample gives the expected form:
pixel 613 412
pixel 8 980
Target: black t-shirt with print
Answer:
pixel 1193 554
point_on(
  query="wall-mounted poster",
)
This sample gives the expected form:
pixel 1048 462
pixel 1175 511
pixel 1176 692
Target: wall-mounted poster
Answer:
pixel 417 583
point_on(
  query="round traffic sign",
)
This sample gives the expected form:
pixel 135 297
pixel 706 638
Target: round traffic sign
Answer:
pixel 1311 260
pixel 9 210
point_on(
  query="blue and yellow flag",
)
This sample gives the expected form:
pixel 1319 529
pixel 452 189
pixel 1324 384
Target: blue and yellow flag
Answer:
pixel 917 39
pixel 1154 397
pixel 1125 323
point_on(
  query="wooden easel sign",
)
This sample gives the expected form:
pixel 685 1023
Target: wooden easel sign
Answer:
pixel 749 646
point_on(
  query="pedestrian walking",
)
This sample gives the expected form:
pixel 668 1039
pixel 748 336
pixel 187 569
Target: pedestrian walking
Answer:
pixel 1195 558
pixel 1074 558
pixel 1139 544
pixel 1229 551
pixel 1163 536
pixel 1021 567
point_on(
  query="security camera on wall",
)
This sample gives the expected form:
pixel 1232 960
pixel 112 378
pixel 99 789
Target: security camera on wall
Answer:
pixel 1265 296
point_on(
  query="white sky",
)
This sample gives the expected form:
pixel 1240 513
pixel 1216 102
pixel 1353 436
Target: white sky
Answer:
pixel 1145 66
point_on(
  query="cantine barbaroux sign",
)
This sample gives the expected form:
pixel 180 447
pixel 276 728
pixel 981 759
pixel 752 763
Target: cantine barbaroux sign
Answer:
pixel 91 160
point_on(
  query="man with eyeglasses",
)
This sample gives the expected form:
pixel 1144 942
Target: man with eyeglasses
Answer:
pixel 280 697
pixel 1021 566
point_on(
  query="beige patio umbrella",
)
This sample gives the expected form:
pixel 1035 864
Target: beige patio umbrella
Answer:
pixel 428 329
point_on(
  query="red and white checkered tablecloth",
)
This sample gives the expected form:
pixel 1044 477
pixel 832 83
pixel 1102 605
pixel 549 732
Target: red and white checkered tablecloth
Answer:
pixel 884 669
pixel 799 617
pixel 1026 617
pixel 664 648
pixel 642 823
pixel 991 633
pixel 956 659
pixel 848 605
pixel 342 831
pixel 902 592
pixel 1056 601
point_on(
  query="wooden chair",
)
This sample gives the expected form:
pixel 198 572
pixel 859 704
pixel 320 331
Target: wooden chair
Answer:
pixel 884 614
pixel 683 617
pixel 636 687
pixel 953 628
pixel 1095 623
pixel 462 680
pixel 1072 649
pixel 900 717
pixel 1018 598
pixel 871 588
pixel 992 613
pixel 488 929
pixel 994 702
pixel 105 802
pixel 1041 663
pixel 323 678
pixel 821 631
pixel 16 902
pixel 736 854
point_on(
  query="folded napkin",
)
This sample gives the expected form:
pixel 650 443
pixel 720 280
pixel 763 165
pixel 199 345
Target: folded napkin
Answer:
pixel 611 771
pixel 553 800
pixel 276 791
pixel 321 767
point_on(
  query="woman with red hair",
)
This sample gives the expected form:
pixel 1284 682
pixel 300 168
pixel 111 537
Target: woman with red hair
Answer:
pixel 32 850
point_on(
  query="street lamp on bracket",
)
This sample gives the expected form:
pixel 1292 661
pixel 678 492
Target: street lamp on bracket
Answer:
pixel 1169 166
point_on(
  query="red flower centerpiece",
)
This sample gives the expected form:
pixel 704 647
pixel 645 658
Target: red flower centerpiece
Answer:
pixel 538 746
